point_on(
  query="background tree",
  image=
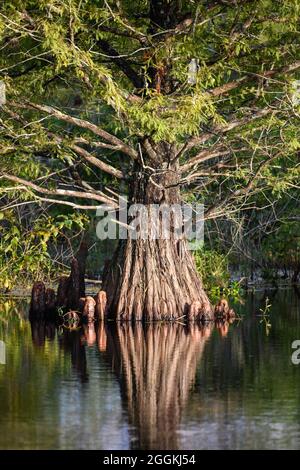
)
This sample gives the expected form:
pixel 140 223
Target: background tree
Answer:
pixel 161 95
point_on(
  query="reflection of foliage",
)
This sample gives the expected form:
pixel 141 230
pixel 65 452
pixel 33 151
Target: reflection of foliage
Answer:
pixel 44 369
pixel 229 383
pixel 252 371
pixel 30 368
pixel 10 312
pixel 235 381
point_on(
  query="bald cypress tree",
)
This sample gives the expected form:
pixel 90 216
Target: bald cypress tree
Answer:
pixel 168 97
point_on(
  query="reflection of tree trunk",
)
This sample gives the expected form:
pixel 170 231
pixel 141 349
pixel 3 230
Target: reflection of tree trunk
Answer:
pixel 72 341
pixel 42 330
pixel 296 290
pixel 156 366
pixel 296 274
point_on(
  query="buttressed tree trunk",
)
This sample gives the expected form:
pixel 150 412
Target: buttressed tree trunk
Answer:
pixel 155 279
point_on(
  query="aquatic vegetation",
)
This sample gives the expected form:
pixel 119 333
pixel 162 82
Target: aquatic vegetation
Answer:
pixel 265 314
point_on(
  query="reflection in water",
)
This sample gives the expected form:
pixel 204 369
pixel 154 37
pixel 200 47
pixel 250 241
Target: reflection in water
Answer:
pixel 154 386
pixel 71 341
pixel 42 330
pixel 154 364
pixel 156 367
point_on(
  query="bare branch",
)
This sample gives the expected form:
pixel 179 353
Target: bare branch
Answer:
pixel 209 213
pixel 102 145
pixel 204 156
pixel 59 192
pixel 234 123
pixel 96 162
pixel 121 62
pixel 65 203
pixel 81 123
pixel 221 90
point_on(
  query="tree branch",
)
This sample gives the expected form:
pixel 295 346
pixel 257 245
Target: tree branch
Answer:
pixel 204 156
pixel 122 63
pixel 102 145
pixel 221 90
pixel 59 192
pixel 81 123
pixel 220 130
pixel 209 213
pixel 65 203
pixel 96 162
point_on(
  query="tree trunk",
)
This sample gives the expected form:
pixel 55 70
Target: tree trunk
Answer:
pixel 154 279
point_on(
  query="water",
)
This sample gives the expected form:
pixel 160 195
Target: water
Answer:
pixel 160 387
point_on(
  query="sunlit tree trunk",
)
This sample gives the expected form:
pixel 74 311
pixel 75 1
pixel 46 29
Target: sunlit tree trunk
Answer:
pixel 155 279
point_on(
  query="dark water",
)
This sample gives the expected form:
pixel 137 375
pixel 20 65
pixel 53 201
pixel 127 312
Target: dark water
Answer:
pixel 159 387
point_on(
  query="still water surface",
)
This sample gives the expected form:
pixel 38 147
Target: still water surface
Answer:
pixel 157 387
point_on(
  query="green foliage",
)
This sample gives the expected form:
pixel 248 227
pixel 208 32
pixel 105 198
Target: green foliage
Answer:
pixel 24 251
pixel 213 268
pixel 64 43
pixel 232 290
pixel 282 249
pixel 51 53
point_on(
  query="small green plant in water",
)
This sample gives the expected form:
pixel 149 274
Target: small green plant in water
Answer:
pixel 266 310
pixel 265 314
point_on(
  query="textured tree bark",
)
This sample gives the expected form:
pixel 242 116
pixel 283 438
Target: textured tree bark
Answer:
pixel 72 288
pixel 38 300
pixel 62 291
pixel 43 302
pixel 155 279
pixel 100 307
pixel 89 309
